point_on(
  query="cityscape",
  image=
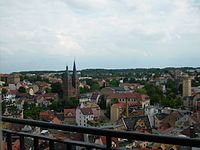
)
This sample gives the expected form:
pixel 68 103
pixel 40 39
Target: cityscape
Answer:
pixel 151 101
pixel 99 75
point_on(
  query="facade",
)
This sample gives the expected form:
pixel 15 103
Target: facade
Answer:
pixel 186 86
pixel 83 115
pixel 70 83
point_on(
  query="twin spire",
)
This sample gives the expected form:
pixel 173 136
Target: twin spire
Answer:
pixel 74 74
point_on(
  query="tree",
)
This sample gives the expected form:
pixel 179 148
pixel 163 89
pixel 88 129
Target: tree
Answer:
pixel 47 90
pixel 57 88
pixel 154 93
pixel 102 102
pixel 114 101
pixel 4 91
pixel 57 106
pixel 3 106
pixel 33 112
pixel 113 83
pixel 73 102
pixel 22 89
pixel 141 90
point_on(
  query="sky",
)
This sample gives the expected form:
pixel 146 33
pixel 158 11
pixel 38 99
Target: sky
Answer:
pixel 48 34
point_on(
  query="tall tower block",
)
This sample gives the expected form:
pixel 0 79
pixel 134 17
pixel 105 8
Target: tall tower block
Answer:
pixel 186 86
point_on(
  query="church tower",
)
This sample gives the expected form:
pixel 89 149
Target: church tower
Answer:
pixel 70 83
pixel 65 82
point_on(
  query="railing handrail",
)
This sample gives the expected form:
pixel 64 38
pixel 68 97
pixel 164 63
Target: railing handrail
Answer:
pixel 185 141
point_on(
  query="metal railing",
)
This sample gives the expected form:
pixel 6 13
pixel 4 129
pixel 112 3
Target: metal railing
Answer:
pixel 109 134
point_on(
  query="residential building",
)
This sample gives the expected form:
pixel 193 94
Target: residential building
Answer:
pixel 83 115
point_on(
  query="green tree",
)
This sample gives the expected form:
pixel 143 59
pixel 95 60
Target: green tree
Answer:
pixel 154 93
pixel 57 106
pixel 3 106
pixel 84 90
pixel 73 102
pixel 57 88
pixel 142 90
pixel 47 90
pixel 33 112
pixel 113 83
pixel 102 102
pixel 22 89
pixel 114 101
pixel 4 91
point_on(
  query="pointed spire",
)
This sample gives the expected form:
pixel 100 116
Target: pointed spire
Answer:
pixel 74 75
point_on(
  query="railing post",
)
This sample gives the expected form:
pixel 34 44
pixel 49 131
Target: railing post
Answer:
pixel 51 144
pixel 22 144
pixel 69 146
pixel 9 141
pixel 36 141
pixel 108 142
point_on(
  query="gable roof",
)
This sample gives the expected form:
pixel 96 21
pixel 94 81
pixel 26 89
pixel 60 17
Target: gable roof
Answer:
pixel 128 95
pixel 161 116
pixel 86 111
pixel 94 96
pixel 131 122
pixel 55 120
pixel 70 113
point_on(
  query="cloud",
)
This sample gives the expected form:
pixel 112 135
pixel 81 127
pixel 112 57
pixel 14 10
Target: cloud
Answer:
pixel 144 29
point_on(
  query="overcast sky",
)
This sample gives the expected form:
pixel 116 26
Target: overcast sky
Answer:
pixel 48 34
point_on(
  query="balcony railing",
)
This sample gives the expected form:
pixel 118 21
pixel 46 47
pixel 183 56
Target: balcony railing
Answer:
pixel 191 142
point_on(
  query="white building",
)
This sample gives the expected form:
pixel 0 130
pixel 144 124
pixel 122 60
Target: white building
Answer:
pixel 83 115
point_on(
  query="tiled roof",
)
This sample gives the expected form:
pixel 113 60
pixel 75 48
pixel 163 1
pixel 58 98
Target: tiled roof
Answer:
pixel 123 105
pixel 56 120
pixel 86 111
pixel 69 113
pixel 5 75
pixel 128 95
pixel 42 84
pixel 13 92
pixel 94 95
pixel 131 122
pixel 161 116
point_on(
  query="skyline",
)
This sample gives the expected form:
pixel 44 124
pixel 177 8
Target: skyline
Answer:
pixel 47 34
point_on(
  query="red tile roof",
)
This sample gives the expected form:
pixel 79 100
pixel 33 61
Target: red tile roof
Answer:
pixel 55 120
pixel 70 113
pixel 123 105
pixel 5 75
pixel 42 84
pixel 13 92
pixel 129 95
pixel 86 111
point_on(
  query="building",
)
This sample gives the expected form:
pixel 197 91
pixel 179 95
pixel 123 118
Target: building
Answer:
pixel 70 83
pixel 83 115
pixel 186 86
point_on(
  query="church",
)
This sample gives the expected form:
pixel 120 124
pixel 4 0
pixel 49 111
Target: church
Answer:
pixel 70 83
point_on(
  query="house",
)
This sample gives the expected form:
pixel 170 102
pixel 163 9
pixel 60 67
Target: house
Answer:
pixel 143 99
pixel 118 110
pixel 95 109
pixel 102 141
pixel 46 115
pixel 138 123
pixel 55 120
pixel 95 97
pixel 83 115
pixel 159 119
pixel 131 86
pixel 70 115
